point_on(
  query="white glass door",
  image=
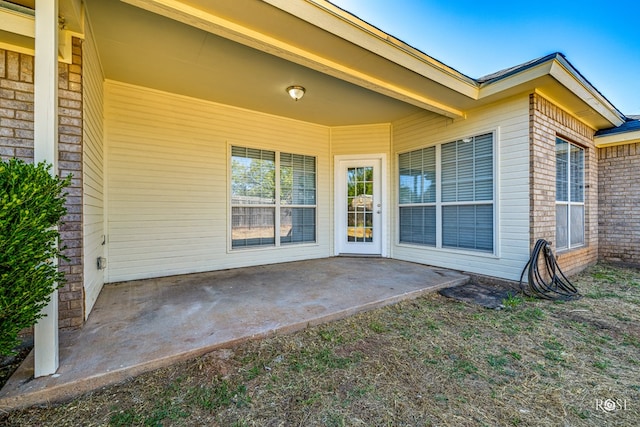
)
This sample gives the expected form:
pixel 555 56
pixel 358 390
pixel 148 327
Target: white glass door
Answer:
pixel 359 207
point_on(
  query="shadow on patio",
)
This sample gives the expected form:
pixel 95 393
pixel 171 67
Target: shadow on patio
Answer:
pixel 142 325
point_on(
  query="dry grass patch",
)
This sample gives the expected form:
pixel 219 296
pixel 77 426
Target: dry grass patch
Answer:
pixel 430 361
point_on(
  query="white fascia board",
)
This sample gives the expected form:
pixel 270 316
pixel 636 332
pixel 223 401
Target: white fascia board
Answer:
pixel 17 23
pixel 563 73
pixel 25 25
pixel 514 80
pixel 617 139
pixel 331 18
pixel 213 24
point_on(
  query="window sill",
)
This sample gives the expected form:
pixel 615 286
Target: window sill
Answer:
pixel 272 247
pixel 569 250
pixel 479 254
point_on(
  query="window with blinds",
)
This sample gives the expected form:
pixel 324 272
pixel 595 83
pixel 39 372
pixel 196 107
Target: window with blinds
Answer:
pixel 273 198
pixel 467 193
pixel 417 170
pixel 569 195
pixel 297 198
pixel 460 190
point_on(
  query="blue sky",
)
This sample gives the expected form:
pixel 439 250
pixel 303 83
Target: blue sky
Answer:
pixel 600 38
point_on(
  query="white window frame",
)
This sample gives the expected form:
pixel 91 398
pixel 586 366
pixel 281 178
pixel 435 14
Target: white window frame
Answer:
pixel 568 203
pixel 439 204
pixel 277 205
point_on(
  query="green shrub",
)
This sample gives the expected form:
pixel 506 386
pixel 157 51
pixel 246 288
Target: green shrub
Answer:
pixel 31 205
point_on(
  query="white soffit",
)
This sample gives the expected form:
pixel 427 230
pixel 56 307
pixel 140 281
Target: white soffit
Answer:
pixel 561 71
pixel 217 25
pixel 345 25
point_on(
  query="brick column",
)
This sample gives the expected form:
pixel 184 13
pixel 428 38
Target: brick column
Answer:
pixel 546 122
pixel 71 296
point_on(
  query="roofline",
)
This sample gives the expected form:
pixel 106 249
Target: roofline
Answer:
pixel 620 138
pixel 371 38
pixel 312 13
pixel 345 25
pixel 629 133
pixel 590 93
pixel 557 66
pixel 386 38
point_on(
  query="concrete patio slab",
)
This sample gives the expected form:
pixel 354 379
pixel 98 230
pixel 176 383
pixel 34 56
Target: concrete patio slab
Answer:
pixel 143 325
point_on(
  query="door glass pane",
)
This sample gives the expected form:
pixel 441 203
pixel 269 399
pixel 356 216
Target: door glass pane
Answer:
pixel 360 204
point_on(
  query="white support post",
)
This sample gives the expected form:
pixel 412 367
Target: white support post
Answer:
pixel 45 136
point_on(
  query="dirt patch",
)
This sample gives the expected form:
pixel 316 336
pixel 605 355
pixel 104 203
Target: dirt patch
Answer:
pixel 484 295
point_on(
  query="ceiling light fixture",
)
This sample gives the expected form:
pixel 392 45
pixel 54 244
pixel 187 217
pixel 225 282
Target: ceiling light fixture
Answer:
pixel 296 92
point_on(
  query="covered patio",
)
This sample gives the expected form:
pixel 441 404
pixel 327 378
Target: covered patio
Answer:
pixel 143 325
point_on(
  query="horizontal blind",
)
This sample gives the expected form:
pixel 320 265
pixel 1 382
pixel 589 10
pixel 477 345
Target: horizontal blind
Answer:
pixel 418 176
pixel 562 171
pixel 483 167
pixel 465 199
pixel 467 169
pixel 252 176
pixel 418 225
pixel 468 227
pixel 577 174
pixel 297 179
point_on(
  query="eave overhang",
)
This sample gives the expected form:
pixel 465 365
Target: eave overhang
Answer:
pixel 628 133
pixel 324 38
pixel 617 139
pixel 352 31
pixel 17 27
pixel 555 78
pixel 442 89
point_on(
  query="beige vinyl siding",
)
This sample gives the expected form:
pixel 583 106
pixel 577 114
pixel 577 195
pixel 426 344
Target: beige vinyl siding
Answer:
pixel 167 182
pixel 93 182
pixel 510 122
pixel 362 139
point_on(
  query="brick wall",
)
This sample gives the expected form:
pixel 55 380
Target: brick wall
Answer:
pixel 547 121
pixel 16 105
pixel 619 216
pixel 16 140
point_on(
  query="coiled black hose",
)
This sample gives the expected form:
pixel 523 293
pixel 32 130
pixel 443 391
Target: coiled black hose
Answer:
pixel 558 287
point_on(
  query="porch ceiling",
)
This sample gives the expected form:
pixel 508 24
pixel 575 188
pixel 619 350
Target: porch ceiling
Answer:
pixel 146 49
